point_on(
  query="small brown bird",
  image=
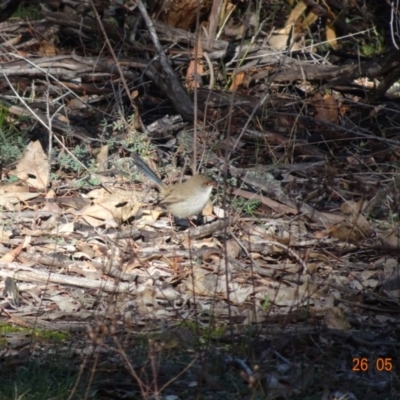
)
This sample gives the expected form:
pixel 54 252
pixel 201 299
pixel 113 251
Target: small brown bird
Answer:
pixel 182 200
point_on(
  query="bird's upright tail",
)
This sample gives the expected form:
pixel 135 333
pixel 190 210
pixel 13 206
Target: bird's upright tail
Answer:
pixel 146 170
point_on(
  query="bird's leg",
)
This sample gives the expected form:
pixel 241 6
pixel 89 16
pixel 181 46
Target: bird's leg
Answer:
pixel 200 219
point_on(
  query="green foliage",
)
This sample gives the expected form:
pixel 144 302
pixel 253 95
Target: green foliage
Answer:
pixel 93 181
pixel 71 164
pixel 373 44
pixel 52 379
pixel 54 176
pixel 12 140
pixel 266 304
pixel 134 141
pixel 28 11
pixel 12 178
pixel 39 333
pixel 247 206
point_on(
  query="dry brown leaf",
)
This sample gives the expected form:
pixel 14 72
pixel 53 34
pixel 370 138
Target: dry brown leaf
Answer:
pixel 78 103
pixel 331 37
pixel 280 296
pixel 322 234
pixel 102 158
pixel 327 108
pixel 296 13
pixel 232 248
pixel 65 303
pixel 50 205
pixel 110 211
pixel 11 201
pixel 280 38
pixel 203 282
pixel 309 20
pixel 195 69
pixel 63 229
pixel 344 231
pixel 31 232
pixel 291 30
pixel 87 249
pixel 134 94
pixel 85 269
pixel 203 244
pixel 335 319
pixel 10 256
pixel 354 226
pixel 4 235
pixel 208 209
pixel 46 49
pixel 237 81
pixel 146 301
pixel 392 239
pixel 33 167
pixel 111 208
pixel 49 247
pixel 238 294
pixel 351 207
pixel 13 187
pixel 321 301
pixel 132 264
pixel 117 193
pixel 13 42
pixel 51 194
pixel 149 217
